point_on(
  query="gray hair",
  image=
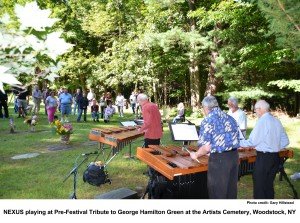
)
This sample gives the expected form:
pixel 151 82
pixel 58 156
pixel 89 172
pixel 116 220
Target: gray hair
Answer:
pixel 142 97
pixel 210 102
pixel 234 101
pixel 262 104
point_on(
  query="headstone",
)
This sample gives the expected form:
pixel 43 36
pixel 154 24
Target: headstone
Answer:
pixel 25 156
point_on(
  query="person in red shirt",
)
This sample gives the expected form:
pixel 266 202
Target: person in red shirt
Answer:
pixel 152 121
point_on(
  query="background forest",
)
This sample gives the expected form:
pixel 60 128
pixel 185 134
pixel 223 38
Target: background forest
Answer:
pixel 175 50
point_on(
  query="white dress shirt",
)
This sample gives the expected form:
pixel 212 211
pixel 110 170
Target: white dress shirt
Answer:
pixel 268 135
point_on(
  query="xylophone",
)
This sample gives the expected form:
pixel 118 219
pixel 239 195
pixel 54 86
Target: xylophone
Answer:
pixel 183 177
pixel 116 137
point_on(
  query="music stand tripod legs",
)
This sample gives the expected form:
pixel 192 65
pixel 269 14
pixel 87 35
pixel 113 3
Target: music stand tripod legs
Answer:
pixel 74 171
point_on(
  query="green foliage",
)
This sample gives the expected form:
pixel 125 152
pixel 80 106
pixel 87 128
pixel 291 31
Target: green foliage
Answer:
pixel 284 20
pixel 289 84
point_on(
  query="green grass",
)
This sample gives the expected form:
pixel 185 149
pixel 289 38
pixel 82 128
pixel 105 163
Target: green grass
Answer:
pixel 42 177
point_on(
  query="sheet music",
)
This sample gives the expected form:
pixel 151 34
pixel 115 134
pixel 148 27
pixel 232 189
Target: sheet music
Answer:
pixel 184 132
pixel 128 123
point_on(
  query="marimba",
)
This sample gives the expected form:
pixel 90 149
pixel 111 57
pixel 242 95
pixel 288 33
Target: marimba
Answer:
pixel 115 137
pixel 183 177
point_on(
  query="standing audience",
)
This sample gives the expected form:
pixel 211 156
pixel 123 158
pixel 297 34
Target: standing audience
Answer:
pixel 65 103
pixel 103 104
pixel 95 110
pixel 23 101
pixel 83 103
pixel 3 104
pixel 120 104
pixel 37 98
pixel 51 105
pixel 132 100
pixel 90 96
pixel 76 98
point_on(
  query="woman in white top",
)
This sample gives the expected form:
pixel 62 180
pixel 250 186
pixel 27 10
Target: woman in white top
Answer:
pixel 180 113
pixel 51 105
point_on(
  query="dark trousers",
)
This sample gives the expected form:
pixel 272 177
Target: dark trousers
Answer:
pixel 264 173
pixel 5 107
pixel 222 175
pixel 80 114
pixel 148 142
pixel 102 111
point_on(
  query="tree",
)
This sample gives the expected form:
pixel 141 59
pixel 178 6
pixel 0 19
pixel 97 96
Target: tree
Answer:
pixel 30 46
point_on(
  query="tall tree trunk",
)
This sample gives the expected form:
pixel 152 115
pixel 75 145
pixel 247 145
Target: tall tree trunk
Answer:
pixel 154 92
pixel 165 87
pixel 193 65
pixel 213 81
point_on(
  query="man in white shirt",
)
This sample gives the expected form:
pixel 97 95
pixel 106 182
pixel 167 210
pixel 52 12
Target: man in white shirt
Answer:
pixel 268 137
pixel 91 96
pixel 120 104
pixel 239 116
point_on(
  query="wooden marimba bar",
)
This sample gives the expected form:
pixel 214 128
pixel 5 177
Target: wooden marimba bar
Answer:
pixel 186 177
pixel 116 137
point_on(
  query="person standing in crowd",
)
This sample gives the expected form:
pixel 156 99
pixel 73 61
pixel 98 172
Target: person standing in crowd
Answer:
pixel 90 96
pixel 268 137
pixel 109 111
pixel 83 103
pixel 103 104
pixel 23 99
pixel 239 115
pixel 51 105
pixel 37 98
pixel 180 113
pixel 46 93
pixel 219 136
pixel 65 103
pixel 76 98
pixel 132 100
pixel 95 110
pixel 120 104
pixel 108 98
pixel 152 121
pixel 138 105
pixel 3 103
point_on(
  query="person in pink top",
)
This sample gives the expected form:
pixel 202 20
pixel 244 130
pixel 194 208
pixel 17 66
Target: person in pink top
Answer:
pixel 152 121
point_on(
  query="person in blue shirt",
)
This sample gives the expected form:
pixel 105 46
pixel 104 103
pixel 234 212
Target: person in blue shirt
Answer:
pixel 219 137
pixel 65 102
pixel 268 137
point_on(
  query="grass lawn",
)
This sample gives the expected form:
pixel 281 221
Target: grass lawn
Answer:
pixel 42 177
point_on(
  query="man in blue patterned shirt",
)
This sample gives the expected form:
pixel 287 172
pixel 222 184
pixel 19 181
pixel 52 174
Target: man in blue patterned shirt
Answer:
pixel 219 136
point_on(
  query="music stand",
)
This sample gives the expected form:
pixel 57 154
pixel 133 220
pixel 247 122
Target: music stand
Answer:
pixel 184 132
pixel 74 171
pixel 128 123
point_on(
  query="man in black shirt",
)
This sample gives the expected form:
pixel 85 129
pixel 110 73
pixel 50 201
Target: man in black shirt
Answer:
pixel 23 98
